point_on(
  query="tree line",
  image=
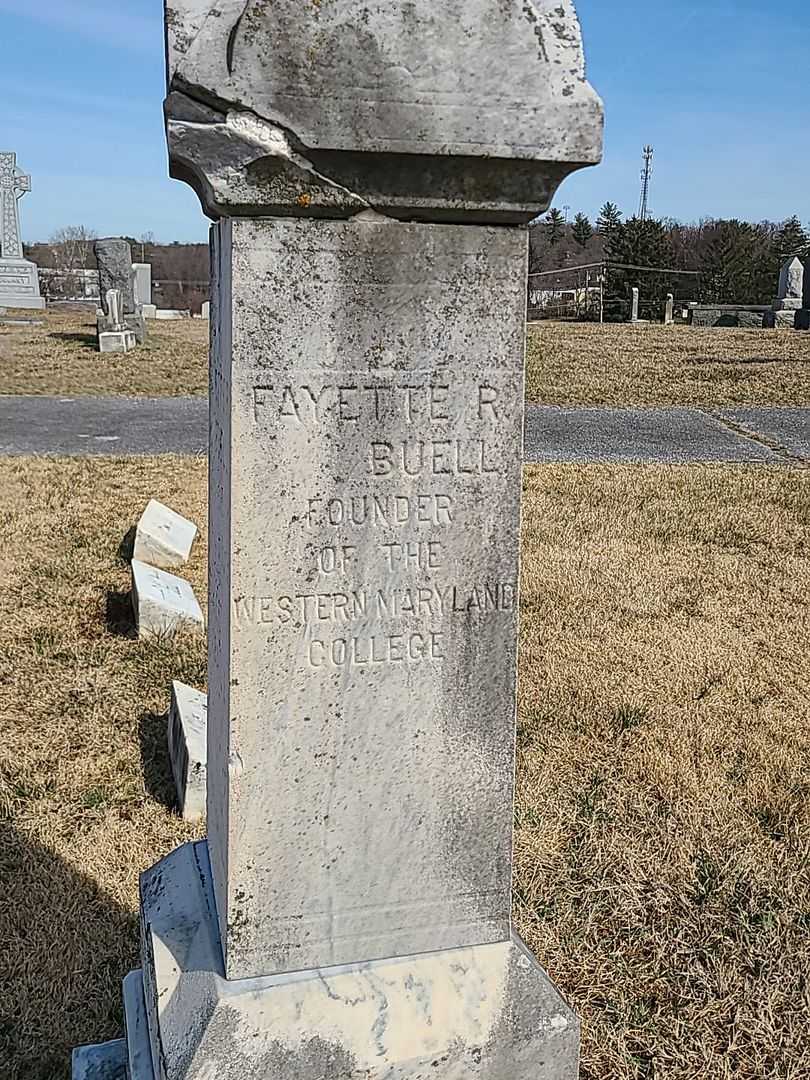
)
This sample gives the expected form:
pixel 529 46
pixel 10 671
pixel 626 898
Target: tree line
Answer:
pixel 736 262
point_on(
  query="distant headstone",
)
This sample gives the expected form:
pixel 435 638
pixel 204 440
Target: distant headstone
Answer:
pixel 143 283
pixel 350 913
pixel 205 310
pixel 634 307
pixel 163 603
pixel 149 311
pixel 19 279
pixel 114 258
pixel 116 336
pixel 188 751
pixel 669 310
pixel 162 536
pixel 791 286
pixel 171 314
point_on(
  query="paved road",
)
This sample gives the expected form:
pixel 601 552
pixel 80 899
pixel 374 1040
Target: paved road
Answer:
pixel 97 425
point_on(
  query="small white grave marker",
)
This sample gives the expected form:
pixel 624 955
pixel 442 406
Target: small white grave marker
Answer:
pixel 162 602
pixel 163 537
pixel 188 752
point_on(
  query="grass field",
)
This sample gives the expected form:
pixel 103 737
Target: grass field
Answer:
pixel 568 363
pixel 663 805
pixel 62 357
pixel 587 364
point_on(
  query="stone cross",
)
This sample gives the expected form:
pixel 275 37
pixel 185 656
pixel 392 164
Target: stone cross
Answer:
pixel 350 912
pixel 13 185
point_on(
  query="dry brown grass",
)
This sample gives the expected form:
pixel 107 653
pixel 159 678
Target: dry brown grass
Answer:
pixel 662 848
pixel 664 765
pixel 84 781
pixel 61 357
pixel 587 364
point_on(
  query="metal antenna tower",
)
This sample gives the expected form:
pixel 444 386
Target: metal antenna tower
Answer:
pixel 646 177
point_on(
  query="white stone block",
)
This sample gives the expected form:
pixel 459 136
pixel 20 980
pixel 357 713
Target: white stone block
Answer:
pixel 149 311
pixel 163 537
pixel 116 341
pixel 162 602
pixel 188 751
pixel 205 310
pixel 170 314
pixel 103 1061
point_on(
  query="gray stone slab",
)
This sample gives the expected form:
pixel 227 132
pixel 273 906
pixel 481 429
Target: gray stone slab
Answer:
pixel 786 429
pixel 102 1061
pixel 139 1050
pixel 367 447
pixel 188 748
pixel 103 425
pixel 114 258
pixel 486 1012
pixel 667 435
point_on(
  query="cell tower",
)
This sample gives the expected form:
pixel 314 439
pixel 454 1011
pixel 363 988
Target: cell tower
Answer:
pixel 646 177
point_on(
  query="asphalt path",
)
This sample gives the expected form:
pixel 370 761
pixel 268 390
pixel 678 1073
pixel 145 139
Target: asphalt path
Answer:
pixel 178 425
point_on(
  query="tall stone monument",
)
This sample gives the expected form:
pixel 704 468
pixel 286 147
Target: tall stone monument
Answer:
pixel 116 272
pixel 788 302
pixel 369 168
pixel 19 279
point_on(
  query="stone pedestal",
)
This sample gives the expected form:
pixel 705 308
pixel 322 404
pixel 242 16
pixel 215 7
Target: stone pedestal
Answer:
pixel 19 285
pixel 349 914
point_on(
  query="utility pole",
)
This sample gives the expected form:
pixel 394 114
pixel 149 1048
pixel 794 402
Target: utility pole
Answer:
pixel 646 178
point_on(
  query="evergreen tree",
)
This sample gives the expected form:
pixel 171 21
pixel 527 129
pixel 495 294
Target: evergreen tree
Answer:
pixel 582 230
pixel 791 239
pixel 555 227
pixel 609 220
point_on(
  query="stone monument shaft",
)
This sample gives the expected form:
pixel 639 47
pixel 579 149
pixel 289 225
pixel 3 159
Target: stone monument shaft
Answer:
pixel 13 185
pixel 366 466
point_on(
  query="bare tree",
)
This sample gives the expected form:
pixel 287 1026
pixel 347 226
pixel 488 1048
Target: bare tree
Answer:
pixel 72 250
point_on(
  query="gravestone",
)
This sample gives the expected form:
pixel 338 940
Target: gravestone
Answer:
pixel 349 913
pixel 19 278
pixel 115 271
pixel 116 336
pixel 143 283
pixel 162 603
pixel 634 306
pixel 162 536
pixel 205 310
pixel 789 300
pixel 669 310
pixel 188 752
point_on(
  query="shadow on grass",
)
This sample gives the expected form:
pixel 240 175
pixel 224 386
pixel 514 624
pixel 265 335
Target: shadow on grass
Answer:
pixel 730 361
pixel 126 548
pixel 118 614
pixel 90 341
pixel 66 946
pixel 157 770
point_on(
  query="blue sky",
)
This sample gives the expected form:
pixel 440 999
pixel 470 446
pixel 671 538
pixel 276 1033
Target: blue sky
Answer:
pixel 719 88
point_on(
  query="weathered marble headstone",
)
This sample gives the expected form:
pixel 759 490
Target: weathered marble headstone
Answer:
pixel 19 278
pixel 162 536
pixel 789 300
pixel 115 271
pixel 349 914
pixel 188 748
pixel 634 306
pixel 143 283
pixel 163 603
pixel 116 335
pixel 205 310
pixel 669 310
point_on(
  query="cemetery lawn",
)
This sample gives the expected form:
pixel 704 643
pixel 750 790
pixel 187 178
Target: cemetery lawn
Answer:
pixel 619 364
pixel 663 806
pixel 62 357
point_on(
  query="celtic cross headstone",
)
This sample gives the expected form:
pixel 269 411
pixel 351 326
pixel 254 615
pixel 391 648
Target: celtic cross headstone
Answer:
pixel 19 280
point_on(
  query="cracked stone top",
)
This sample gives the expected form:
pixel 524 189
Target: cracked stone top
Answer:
pixel 459 110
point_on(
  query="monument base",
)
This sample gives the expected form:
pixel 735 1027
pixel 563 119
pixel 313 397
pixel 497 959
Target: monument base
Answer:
pixel 781 320
pixel 19 285
pixel 134 320
pixel 788 304
pixel 483 1013
pixel 116 341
